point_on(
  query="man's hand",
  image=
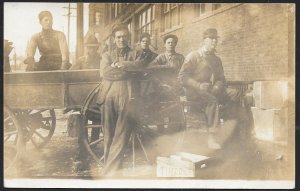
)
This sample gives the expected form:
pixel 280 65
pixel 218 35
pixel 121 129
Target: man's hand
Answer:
pixel 204 86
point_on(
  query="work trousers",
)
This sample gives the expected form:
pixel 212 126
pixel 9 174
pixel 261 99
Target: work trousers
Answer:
pixel 208 103
pixel 118 123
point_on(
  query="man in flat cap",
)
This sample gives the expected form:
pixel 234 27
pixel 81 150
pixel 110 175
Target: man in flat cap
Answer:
pixel 51 44
pixel 203 77
pixel 168 64
pixel 92 58
pixel 117 96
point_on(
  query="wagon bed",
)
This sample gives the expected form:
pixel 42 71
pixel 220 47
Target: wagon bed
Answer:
pixel 49 89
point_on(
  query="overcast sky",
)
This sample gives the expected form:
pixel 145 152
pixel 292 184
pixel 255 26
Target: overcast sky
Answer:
pixel 21 22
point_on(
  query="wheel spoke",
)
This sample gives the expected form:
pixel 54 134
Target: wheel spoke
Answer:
pixel 16 139
pixel 7 138
pixel 7 118
pixel 95 142
pixel 41 136
pixel 10 133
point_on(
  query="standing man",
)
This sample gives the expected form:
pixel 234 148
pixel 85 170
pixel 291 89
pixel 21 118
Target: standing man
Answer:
pixel 52 46
pixel 144 51
pixel 203 77
pixel 7 50
pixel 168 64
pixel 117 97
pixel 92 58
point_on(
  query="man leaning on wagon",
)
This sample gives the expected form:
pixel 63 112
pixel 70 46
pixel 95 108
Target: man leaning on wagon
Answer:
pixel 117 97
pixel 203 77
pixel 51 44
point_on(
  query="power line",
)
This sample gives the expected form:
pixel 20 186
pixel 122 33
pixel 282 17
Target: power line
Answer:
pixel 69 16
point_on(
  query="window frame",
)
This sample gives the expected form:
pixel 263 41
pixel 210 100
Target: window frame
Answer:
pixel 171 16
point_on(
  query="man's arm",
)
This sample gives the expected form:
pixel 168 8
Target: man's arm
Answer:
pixel 186 71
pixel 63 45
pixel 108 72
pixel 30 52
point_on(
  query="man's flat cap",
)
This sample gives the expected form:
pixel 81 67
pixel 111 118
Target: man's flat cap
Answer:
pixel 119 27
pixel 145 35
pixel 170 36
pixel 92 41
pixel 210 33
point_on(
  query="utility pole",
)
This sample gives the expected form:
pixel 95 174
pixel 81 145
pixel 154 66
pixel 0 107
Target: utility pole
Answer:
pixel 69 16
pixel 79 43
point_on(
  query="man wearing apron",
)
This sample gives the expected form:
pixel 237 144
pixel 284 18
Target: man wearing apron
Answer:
pixel 52 46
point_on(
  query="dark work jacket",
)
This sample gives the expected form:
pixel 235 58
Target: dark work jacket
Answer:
pixel 130 72
pixel 198 68
pixel 142 54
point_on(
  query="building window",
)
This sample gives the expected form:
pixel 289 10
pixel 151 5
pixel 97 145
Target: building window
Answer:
pixel 98 17
pixel 117 8
pixel 106 18
pixel 216 6
pixel 200 8
pixel 171 15
pixel 146 20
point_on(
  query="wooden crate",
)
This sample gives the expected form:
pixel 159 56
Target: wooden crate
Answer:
pixel 270 124
pixel 180 165
pixel 270 94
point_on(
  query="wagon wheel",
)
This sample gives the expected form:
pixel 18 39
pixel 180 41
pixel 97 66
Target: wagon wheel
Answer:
pixel 12 139
pixel 91 129
pixel 163 122
pixel 38 125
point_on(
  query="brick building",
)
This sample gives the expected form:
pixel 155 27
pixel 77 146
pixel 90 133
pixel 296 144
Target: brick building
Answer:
pixel 256 40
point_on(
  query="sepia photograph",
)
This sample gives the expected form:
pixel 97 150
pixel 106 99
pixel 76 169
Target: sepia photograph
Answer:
pixel 148 95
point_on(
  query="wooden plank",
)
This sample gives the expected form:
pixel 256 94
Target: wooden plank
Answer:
pixel 36 96
pixel 49 89
pixel 48 77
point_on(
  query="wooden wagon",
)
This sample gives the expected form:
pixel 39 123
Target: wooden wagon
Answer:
pixel 30 99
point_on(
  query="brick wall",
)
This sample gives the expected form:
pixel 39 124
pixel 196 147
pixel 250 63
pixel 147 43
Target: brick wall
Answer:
pixel 253 40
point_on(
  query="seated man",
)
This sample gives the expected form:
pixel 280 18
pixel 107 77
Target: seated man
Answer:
pixel 203 77
pixel 52 46
pixel 92 58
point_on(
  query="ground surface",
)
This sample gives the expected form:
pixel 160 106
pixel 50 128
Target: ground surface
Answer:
pixel 238 159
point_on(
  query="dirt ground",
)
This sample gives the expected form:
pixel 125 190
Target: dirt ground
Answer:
pixel 238 159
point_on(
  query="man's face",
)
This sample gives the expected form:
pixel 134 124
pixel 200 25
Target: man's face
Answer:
pixel 145 42
pixel 121 38
pixel 210 44
pixel 170 44
pixel 46 22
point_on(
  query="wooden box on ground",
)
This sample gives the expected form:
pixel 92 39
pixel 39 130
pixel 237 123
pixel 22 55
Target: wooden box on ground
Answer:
pixel 180 165
pixel 270 124
pixel 270 94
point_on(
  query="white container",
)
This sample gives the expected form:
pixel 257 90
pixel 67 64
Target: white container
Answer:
pixel 270 124
pixel 270 94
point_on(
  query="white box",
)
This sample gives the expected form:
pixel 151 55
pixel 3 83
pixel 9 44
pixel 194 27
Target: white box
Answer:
pixel 270 124
pixel 180 165
pixel 270 94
